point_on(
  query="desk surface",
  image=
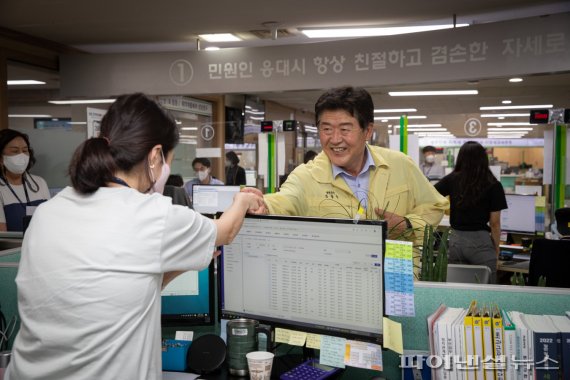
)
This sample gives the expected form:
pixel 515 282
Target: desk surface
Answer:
pixel 513 266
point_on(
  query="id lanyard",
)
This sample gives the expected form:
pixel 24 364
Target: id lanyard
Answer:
pixel 16 195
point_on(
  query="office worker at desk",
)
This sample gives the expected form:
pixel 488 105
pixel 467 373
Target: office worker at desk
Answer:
pixel 203 168
pixel 20 191
pixel 349 175
pixel 477 199
pixel 95 257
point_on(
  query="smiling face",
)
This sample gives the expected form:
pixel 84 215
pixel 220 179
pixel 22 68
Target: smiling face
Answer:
pixel 343 141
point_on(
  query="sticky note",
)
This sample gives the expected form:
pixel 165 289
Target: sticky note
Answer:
pixel 392 333
pixel 332 351
pixel 297 338
pixel 363 355
pixel 282 335
pixel 314 341
pixel 184 335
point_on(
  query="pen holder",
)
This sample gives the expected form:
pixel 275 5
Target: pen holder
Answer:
pixel 175 354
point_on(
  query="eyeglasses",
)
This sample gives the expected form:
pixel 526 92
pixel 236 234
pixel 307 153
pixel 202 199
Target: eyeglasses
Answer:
pixel 344 130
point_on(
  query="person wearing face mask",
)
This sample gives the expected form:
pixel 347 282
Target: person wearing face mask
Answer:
pixel 20 191
pixel 96 256
pixel 235 174
pixel 431 169
pixel 202 167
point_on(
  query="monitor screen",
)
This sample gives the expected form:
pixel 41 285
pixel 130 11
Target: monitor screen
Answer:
pixel 189 299
pixel 520 216
pixel 316 275
pixel 212 199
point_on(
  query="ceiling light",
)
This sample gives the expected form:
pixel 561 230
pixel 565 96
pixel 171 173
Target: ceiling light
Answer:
pixel 372 32
pixel 82 101
pixel 505 136
pixel 24 82
pixel 189 128
pixel 515 80
pixel 506 101
pixel 219 37
pixel 423 125
pixel 501 118
pixel 394 110
pixel 383 120
pixel 498 124
pixel 500 115
pixel 427 129
pixel 398 117
pixel 509 129
pixel 528 107
pixel 212 48
pixel 30 115
pixel 433 93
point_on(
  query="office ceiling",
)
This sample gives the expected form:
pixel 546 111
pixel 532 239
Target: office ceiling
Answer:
pixel 146 25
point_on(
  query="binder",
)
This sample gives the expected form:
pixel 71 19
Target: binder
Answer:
pixel 470 371
pixel 510 346
pixel 562 323
pixel 498 344
pixel 478 344
pixel 431 334
pixel 488 361
pixel 546 340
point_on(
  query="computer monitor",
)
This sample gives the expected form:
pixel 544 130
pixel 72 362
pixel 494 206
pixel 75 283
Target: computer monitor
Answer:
pixel 310 274
pixel 189 300
pixel 212 199
pixel 520 214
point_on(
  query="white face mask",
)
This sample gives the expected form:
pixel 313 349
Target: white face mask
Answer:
pixel 16 164
pixel 158 185
pixel 430 159
pixel 228 163
pixel 203 174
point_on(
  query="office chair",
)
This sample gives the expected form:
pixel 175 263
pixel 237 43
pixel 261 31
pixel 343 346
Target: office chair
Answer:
pixel 551 259
pixel 470 274
pixel 562 216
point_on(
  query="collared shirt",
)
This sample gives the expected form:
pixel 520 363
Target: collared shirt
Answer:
pixel 358 184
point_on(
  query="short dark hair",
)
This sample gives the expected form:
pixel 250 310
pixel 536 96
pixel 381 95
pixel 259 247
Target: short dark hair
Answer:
pixel 7 135
pixel 309 155
pixel 232 156
pixel 132 126
pixel 175 180
pixel 202 160
pixel 429 148
pixel 354 100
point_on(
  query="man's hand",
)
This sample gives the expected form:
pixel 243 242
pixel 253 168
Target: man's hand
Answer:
pixel 396 223
pixel 262 209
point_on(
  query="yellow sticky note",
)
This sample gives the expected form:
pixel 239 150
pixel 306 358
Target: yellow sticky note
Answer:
pixel 314 341
pixel 282 335
pixel 297 338
pixel 539 201
pixel 393 336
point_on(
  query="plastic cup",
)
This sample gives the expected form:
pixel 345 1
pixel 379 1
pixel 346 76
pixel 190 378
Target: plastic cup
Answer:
pixel 259 364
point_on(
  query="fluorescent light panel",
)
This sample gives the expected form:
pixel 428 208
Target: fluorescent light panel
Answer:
pixel 423 125
pixel 500 123
pixel 372 32
pixel 509 129
pixel 433 93
pixel 394 110
pixel 82 101
pixel 505 114
pixel 28 115
pixel 427 129
pixel 525 107
pixel 398 117
pixel 24 82
pixel 219 37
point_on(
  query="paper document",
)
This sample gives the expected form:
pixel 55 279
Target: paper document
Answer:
pixel 363 355
pixel 399 278
pixel 332 351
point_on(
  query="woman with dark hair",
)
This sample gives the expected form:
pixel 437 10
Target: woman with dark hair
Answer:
pixel 95 257
pixel 20 191
pixel 235 174
pixel 477 199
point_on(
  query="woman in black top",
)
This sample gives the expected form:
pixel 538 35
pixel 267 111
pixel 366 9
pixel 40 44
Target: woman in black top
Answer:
pixel 235 174
pixel 477 199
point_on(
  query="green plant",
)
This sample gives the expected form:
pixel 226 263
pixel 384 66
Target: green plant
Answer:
pixel 519 280
pixel 433 264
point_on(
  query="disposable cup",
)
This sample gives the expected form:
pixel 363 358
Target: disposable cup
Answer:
pixel 259 364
